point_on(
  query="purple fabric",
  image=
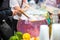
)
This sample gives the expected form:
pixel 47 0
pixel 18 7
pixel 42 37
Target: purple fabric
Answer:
pixel 58 1
pixel 30 27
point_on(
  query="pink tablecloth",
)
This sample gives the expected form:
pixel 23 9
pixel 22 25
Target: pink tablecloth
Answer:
pixel 30 27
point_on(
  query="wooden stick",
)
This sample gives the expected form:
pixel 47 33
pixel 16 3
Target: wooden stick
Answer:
pixel 24 13
pixel 21 11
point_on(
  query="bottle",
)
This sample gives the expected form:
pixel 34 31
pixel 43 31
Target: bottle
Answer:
pixel 55 16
